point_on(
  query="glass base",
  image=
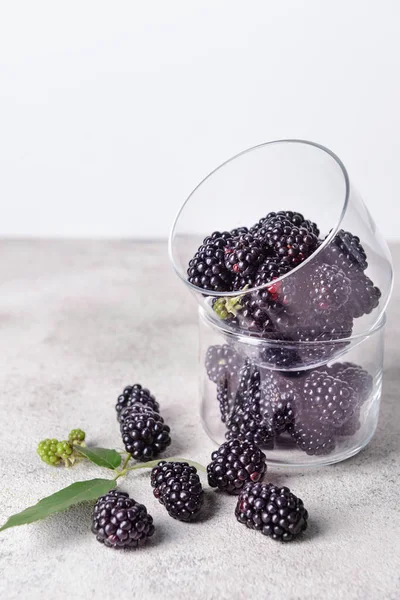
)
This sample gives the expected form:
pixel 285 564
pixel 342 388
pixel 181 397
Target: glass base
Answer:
pixel 285 454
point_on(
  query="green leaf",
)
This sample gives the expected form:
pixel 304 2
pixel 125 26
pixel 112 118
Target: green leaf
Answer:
pixel 154 463
pixel 81 491
pixel 103 457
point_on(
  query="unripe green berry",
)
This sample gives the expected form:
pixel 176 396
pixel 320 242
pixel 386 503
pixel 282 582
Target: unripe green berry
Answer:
pixel 47 450
pixel 77 436
pixel 64 449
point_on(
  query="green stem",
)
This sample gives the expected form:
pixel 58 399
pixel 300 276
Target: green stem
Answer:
pixel 124 468
pixel 128 458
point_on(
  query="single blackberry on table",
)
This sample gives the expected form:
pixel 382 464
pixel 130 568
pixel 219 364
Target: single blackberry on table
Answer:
pixel 312 436
pixel 364 295
pixel 274 511
pixel 330 400
pixel 234 464
pixel 222 362
pixel 329 288
pixel 243 254
pixel 136 394
pixel 178 487
pixel 207 268
pixel 144 434
pixel 120 522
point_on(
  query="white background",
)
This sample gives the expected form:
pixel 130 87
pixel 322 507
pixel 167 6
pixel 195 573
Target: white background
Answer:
pixel 111 112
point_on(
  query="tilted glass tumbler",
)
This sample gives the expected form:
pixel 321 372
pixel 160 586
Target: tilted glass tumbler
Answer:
pixel 292 280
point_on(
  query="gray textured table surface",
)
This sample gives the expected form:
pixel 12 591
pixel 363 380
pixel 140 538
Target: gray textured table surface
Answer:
pixel 79 320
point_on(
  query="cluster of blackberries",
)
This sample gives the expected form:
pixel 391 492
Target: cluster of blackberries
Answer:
pixel 312 408
pixel 316 303
pixel 144 433
pixel 238 467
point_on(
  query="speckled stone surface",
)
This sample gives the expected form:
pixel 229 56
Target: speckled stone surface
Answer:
pixel 79 320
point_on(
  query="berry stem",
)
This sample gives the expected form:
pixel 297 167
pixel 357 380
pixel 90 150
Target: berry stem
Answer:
pixel 124 468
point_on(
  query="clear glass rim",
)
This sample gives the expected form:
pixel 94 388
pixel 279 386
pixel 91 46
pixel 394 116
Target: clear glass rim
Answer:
pixel 325 243
pixel 253 340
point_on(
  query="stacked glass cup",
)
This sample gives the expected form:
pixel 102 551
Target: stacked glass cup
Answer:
pixel 292 279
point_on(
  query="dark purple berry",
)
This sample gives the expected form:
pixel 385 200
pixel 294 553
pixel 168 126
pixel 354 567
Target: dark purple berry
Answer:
pixel 120 522
pixel 274 511
pixel 234 464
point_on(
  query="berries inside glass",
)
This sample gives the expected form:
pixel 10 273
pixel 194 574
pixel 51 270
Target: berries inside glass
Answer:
pixel 291 303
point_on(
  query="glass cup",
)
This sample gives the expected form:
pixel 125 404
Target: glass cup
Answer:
pixel 294 310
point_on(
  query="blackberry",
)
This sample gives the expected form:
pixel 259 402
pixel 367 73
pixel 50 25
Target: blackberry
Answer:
pixel 271 269
pixel 364 295
pixel 330 400
pixel 241 281
pixel 274 511
pixel 252 316
pixel 248 420
pixel 351 247
pixel 226 399
pixel 346 252
pixel 290 243
pixel 178 487
pixel 311 436
pixel 235 463
pixel 144 434
pixel 355 376
pixel 351 426
pixel 136 394
pixel 243 254
pixel 329 288
pixel 281 356
pixel 250 426
pixel 207 268
pixel 120 522
pixel 239 231
pixel 135 409
pixel 280 399
pixel 297 219
pixel 222 362
pixel 294 218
